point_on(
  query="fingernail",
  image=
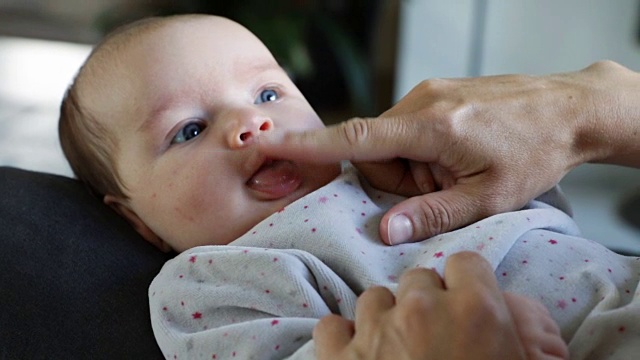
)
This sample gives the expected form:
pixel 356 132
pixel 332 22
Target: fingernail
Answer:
pixel 400 229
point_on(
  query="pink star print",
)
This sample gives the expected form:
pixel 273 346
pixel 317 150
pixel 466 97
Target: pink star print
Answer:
pixel 196 315
pixel 561 304
pixel 553 242
pixel 439 254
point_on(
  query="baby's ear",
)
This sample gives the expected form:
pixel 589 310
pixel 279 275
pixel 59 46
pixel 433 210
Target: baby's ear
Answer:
pixel 123 210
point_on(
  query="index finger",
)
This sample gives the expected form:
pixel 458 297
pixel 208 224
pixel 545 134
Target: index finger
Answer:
pixel 331 335
pixel 359 139
pixel 467 270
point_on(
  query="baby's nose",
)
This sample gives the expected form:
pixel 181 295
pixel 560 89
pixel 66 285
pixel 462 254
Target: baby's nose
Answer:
pixel 245 132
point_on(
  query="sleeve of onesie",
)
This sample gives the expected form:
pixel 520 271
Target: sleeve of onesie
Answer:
pixel 230 302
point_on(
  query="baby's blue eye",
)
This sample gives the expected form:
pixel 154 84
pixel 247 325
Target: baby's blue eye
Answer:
pixel 188 132
pixel 267 96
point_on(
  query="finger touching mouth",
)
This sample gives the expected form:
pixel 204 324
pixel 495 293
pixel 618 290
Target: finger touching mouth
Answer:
pixel 275 179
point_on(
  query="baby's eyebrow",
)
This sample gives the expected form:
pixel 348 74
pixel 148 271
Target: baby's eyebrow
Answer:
pixel 252 67
pixel 156 112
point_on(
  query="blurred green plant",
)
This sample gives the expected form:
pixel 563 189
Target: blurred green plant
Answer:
pixel 285 27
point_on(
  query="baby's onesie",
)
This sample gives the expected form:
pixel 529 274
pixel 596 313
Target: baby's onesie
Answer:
pixel 261 296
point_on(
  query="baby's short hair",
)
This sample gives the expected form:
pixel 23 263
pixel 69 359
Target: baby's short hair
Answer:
pixel 86 143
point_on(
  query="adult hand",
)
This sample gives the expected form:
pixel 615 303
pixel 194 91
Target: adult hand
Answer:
pixel 463 317
pixel 479 146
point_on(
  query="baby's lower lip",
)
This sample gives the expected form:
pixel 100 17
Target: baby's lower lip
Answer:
pixel 276 179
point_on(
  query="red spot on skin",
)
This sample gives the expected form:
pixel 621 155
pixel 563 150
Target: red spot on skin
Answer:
pixel 196 315
pixel 561 304
pixel 552 242
pixel 275 322
pixel 621 329
pixel 439 254
pixel 192 259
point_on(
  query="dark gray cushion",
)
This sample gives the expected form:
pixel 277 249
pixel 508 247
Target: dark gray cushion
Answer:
pixel 73 274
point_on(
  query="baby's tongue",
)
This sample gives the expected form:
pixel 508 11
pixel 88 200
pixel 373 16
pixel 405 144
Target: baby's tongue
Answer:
pixel 277 179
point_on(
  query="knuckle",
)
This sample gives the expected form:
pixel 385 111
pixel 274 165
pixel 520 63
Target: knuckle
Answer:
pixel 433 85
pixel 373 294
pixel 356 131
pixel 412 317
pixel 436 219
pixel 604 64
pixel 481 309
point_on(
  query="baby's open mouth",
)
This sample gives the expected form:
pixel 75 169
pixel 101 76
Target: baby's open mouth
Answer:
pixel 275 179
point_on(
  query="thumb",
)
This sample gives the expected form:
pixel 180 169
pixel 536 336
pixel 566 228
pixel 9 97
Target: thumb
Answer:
pixel 424 216
pixel 331 335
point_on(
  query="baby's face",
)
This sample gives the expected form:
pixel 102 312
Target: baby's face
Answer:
pixel 191 98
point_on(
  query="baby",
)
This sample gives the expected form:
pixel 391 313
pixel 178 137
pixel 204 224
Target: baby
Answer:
pixel 160 122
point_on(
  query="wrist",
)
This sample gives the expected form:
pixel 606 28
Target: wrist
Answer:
pixel 607 126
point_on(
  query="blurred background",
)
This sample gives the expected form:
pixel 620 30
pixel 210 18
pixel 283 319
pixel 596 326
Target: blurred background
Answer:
pixel 350 58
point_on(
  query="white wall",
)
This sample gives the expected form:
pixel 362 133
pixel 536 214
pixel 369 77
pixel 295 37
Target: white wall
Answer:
pixel 437 37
